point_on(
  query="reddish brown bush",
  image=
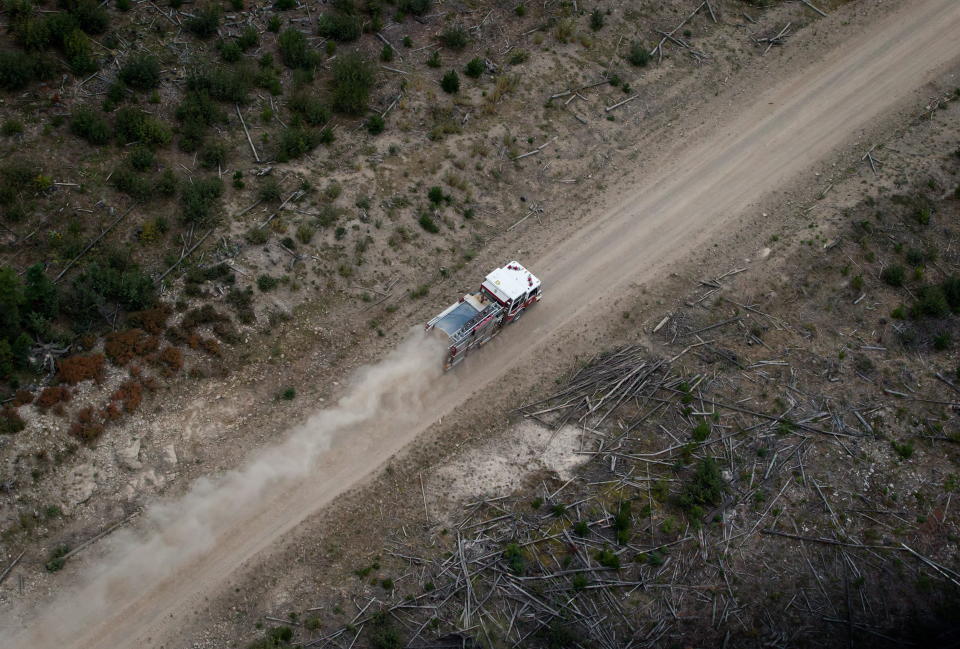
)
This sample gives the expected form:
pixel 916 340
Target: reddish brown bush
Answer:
pixel 85 415
pixel 78 368
pixel 11 421
pixel 194 341
pixel 130 394
pixel 150 383
pixel 86 432
pixel 52 395
pixel 136 371
pixel 152 321
pixel 123 346
pixel 111 412
pixel 22 398
pixel 170 360
pixel 211 346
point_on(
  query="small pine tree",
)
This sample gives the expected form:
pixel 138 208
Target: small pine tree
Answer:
pixel 450 82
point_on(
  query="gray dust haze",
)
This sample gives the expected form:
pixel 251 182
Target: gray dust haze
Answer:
pixel 170 536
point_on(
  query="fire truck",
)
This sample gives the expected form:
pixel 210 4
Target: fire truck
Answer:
pixel 477 317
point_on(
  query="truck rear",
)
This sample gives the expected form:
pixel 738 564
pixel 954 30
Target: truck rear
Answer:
pixel 477 317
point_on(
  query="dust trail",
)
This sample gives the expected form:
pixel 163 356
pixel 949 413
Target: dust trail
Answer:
pixel 171 535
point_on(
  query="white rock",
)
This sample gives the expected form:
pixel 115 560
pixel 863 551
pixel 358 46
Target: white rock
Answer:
pixel 80 485
pixel 170 454
pixel 129 456
pixel 763 253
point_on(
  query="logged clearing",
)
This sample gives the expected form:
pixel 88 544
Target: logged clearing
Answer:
pixel 149 589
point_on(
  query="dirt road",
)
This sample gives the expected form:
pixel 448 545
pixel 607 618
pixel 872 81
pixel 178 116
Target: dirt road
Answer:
pixel 148 589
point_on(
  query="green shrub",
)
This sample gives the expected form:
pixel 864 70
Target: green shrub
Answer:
pixel 11 302
pixel 248 38
pixel 455 38
pixel 15 70
pixel 295 52
pixel 296 141
pixel 230 51
pixel 474 68
pixel 514 557
pixel 167 183
pixel 90 125
pixel 230 84
pixel 79 53
pixel 274 24
pixel 931 303
pixel 339 27
pixel 309 108
pixel 205 21
pixel 129 182
pixel 608 559
pixel 198 106
pixel 519 56
pixel 133 125
pixel 353 78
pixel 705 487
pixel 450 82
pixel 90 16
pixel 284 5
pixel 942 341
pixel 142 158
pixel 414 7
pixel 903 450
pixel 111 279
pixel 40 294
pixel 893 275
pixel 622 521
pixel 701 431
pixel 56 561
pixel 214 155
pixel 266 283
pixel 386 54
pixel 200 199
pixel 638 55
pixel 17 9
pixel 951 290
pixel 434 60
pixel 256 236
pixel 428 224
pixel 596 20
pixel 141 72
pixel 11 127
pixel 376 124
pixel 436 195
pixel 305 233
pixel 270 190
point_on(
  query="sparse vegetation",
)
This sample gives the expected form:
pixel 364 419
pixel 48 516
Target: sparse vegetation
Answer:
pixel 352 82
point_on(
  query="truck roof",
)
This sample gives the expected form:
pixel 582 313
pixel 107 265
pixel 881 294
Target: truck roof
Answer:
pixel 511 281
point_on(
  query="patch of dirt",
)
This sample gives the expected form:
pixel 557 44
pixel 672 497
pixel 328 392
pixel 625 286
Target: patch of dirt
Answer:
pixel 499 466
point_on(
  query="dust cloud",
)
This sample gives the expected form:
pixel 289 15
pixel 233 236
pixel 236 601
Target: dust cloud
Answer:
pixel 172 536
